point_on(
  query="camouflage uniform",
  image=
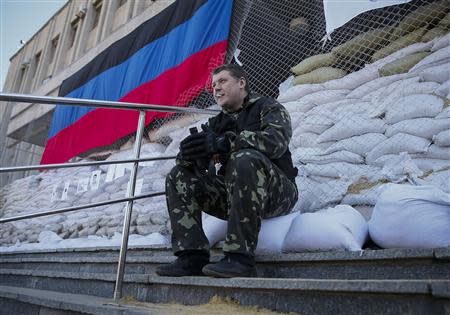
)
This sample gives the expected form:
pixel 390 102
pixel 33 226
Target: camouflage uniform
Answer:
pixel 256 181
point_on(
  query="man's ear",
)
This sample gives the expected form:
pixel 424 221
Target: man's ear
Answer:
pixel 242 82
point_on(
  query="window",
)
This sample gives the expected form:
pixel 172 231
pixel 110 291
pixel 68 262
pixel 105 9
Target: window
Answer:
pixel 73 32
pixel 97 10
pixel 53 47
pixel 37 59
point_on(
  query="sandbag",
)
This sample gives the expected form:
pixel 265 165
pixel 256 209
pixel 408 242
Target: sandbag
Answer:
pixel 445 22
pixel 353 80
pixel 421 127
pixel 314 123
pixel 443 89
pixel 320 75
pixel 445 113
pixel 313 155
pixel 307 102
pixel 352 126
pixel 434 152
pixel 338 228
pixel 411 217
pixel 364 197
pixel 413 106
pixel 373 85
pixel 358 144
pixel 424 15
pixel 215 229
pixel 312 63
pixel 363 43
pixel 341 170
pixel 400 43
pixel 273 232
pixel 305 140
pixel 401 142
pixel 434 32
pixel 439 73
pixel 298 91
pixel 402 65
pixel 435 57
pixel 439 180
pixel 364 109
pixel 427 165
pixel 444 41
pixel 443 138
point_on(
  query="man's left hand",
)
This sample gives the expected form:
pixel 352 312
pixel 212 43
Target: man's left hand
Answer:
pixel 204 144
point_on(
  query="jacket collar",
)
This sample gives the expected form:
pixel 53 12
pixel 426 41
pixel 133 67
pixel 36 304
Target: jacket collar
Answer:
pixel 249 100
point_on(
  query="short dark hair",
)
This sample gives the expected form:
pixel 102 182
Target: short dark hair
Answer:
pixel 235 71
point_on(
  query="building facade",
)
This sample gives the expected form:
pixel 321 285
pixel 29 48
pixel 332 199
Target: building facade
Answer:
pixel 75 34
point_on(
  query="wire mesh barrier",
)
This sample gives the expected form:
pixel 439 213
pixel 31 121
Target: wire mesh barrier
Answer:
pixel 368 107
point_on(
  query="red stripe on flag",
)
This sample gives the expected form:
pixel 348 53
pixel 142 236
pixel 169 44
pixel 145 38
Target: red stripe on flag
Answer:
pixel 176 87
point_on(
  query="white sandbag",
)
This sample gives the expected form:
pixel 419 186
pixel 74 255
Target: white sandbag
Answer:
pixel 442 42
pixel 314 123
pixel 436 56
pixel 443 138
pixel 352 126
pixel 317 195
pixel 273 232
pixel 358 144
pixel 298 91
pixel 444 89
pixel 373 85
pixel 286 85
pixel 400 142
pixel 364 197
pixel 421 127
pixel 342 170
pixel 306 140
pixel 314 155
pixel 411 217
pixel 312 100
pixel 353 80
pixel 326 108
pixel 438 73
pixel 413 106
pixel 365 109
pixel 440 180
pixel 338 228
pixel 434 152
pixel 427 165
pixel 410 89
pixel 445 113
pixel 215 229
pixel 400 168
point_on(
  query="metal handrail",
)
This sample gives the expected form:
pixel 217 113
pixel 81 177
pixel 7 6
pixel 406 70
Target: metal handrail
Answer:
pixel 69 165
pixel 13 97
pixel 85 206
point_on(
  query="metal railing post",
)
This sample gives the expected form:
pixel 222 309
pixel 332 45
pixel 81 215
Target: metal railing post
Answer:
pixel 129 210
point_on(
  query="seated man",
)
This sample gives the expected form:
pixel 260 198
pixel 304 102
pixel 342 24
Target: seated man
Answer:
pixel 250 138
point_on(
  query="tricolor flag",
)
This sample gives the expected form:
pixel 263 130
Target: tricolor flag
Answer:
pixel 167 61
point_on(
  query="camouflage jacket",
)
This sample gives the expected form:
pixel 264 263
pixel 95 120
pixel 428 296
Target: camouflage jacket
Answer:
pixel 262 124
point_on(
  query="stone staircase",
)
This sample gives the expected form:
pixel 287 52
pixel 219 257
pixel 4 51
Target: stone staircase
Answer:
pixel 81 281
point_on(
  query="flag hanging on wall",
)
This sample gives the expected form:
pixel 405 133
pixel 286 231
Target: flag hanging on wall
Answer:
pixel 166 60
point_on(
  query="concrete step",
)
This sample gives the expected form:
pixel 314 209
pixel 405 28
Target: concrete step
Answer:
pixel 367 264
pixel 305 296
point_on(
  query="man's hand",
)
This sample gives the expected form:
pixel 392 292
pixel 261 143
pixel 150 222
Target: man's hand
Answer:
pixel 204 144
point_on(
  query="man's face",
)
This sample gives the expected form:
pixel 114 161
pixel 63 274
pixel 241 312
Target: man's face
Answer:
pixel 228 91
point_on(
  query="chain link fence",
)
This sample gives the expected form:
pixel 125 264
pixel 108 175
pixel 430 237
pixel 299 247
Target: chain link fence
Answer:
pixel 368 107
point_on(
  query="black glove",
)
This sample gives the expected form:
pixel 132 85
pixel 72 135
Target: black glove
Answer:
pixel 204 144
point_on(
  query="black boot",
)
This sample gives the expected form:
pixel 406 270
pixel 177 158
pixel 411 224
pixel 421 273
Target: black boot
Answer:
pixel 188 263
pixel 232 265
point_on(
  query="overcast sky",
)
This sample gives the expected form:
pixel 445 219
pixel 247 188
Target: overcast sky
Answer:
pixel 20 20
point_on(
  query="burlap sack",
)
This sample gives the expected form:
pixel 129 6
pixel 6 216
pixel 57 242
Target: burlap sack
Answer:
pixel 429 14
pixel 402 65
pixel 320 75
pixel 434 32
pixel 313 63
pixel 400 43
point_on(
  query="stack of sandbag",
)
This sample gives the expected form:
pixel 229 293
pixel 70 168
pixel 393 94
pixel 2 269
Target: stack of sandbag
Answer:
pixel 408 216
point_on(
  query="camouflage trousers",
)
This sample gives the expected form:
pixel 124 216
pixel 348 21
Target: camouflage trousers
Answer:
pixel 252 189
